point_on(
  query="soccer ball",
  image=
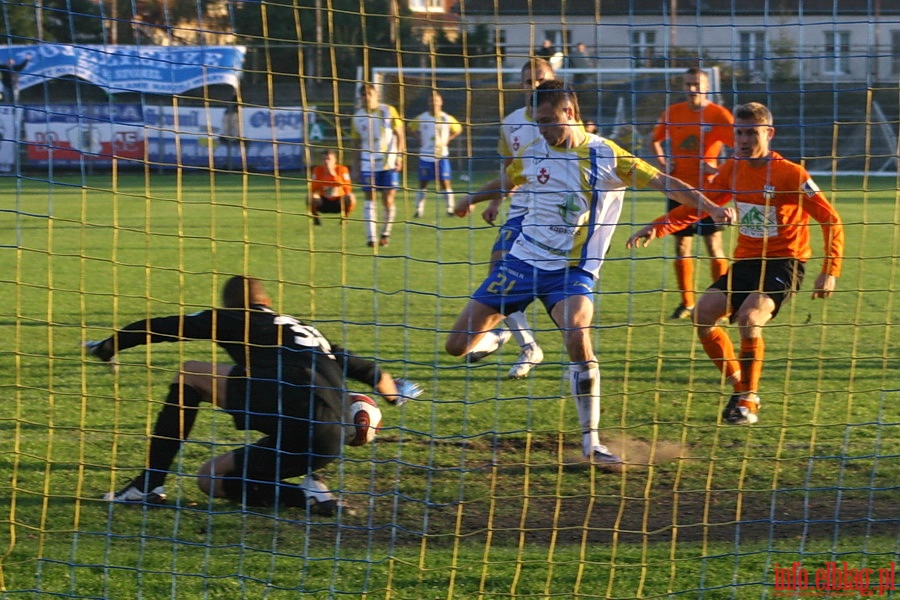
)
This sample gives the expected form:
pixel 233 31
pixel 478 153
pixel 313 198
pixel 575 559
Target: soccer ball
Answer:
pixel 366 420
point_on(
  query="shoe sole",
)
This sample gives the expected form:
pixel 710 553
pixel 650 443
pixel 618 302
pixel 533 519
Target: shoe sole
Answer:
pixel 155 501
pixel 608 467
pixel 513 374
pixel 474 357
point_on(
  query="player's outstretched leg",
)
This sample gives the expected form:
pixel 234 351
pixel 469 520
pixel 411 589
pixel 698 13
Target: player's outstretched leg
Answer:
pixel 173 425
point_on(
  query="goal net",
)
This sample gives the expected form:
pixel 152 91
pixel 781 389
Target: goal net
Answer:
pixel 150 151
pixel 625 102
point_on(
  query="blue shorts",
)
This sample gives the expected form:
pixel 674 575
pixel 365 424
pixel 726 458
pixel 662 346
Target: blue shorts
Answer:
pixel 508 233
pixel 379 180
pixel 514 284
pixel 430 170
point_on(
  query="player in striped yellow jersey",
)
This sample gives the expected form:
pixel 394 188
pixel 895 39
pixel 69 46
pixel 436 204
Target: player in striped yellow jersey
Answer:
pixel 380 144
pixel 435 129
pixel 517 132
pixel 572 185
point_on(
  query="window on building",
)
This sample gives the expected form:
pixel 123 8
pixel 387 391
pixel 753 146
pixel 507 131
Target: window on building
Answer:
pixel 643 47
pixel 426 5
pixel 837 52
pixel 753 53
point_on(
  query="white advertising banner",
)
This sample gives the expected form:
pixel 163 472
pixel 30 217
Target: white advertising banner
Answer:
pixel 193 136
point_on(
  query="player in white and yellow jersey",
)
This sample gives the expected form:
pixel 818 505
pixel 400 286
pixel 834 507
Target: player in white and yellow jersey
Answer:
pixel 378 133
pixel 517 132
pixel 572 186
pixel 435 129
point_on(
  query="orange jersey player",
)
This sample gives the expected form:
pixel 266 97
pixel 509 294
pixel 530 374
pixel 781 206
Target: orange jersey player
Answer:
pixel 697 131
pixel 775 199
pixel 330 188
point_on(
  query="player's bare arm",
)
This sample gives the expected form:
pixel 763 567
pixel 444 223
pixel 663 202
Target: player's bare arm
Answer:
pixel 824 286
pixel 494 190
pixel 682 193
pixel 642 237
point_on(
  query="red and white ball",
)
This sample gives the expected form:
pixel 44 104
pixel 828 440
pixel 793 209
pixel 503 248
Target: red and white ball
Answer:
pixel 366 420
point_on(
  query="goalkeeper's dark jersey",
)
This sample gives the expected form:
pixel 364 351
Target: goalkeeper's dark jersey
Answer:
pixel 259 341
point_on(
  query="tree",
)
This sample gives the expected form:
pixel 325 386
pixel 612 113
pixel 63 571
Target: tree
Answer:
pixel 71 21
pixel 354 32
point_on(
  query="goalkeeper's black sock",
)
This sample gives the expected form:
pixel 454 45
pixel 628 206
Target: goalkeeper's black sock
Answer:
pixel 173 425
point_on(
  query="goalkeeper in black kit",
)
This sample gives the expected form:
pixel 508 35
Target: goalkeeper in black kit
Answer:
pixel 287 382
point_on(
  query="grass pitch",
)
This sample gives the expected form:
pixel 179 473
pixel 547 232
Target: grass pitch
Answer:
pixel 475 490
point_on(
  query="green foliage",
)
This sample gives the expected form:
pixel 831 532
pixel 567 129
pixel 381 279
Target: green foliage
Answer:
pixel 347 36
pixel 72 21
pixel 17 24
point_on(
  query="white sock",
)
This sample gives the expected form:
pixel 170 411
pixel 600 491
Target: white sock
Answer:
pixel 420 201
pixel 584 381
pixel 369 216
pixel 451 200
pixel 518 326
pixel 388 214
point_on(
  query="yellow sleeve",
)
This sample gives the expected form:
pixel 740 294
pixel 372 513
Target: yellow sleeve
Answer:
pixel 630 168
pixel 396 121
pixel 514 172
pixel 455 127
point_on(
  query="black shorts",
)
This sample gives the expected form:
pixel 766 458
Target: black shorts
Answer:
pixel 302 424
pixel 264 461
pixel 778 278
pixel 705 226
pixel 330 205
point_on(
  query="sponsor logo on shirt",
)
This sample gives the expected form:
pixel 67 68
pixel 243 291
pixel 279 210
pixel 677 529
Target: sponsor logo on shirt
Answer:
pixel 757 221
pixel 769 192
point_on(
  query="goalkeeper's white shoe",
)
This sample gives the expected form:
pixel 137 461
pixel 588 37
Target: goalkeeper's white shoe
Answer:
pixel 319 500
pixel 530 357
pixel 130 494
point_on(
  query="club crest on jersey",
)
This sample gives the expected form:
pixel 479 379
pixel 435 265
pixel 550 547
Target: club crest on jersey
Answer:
pixel 543 175
pixel 769 192
pixel 810 188
pixel 515 144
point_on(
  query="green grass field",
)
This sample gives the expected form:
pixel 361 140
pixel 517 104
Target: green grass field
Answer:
pixel 476 490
